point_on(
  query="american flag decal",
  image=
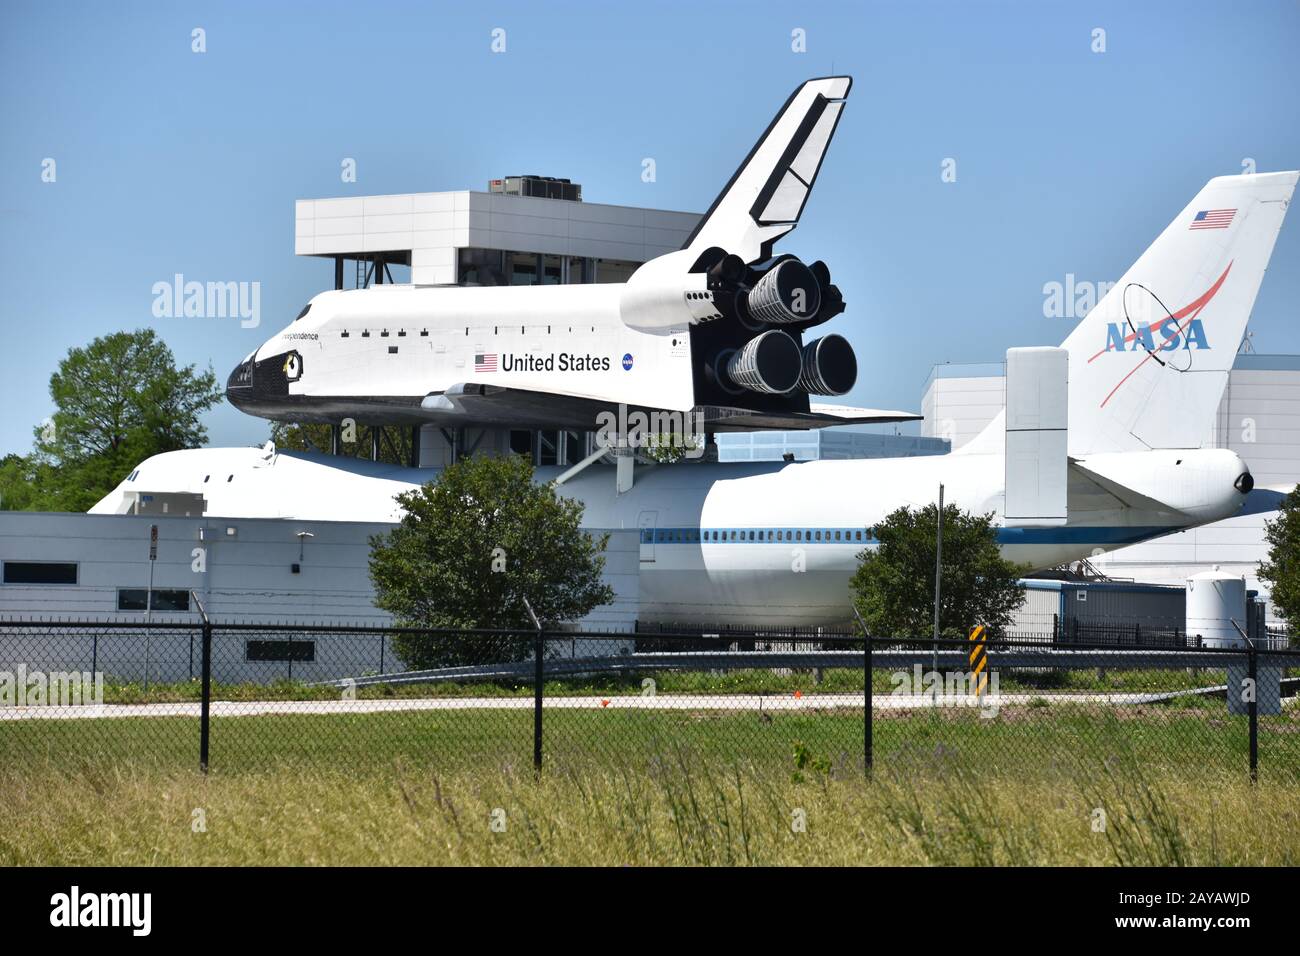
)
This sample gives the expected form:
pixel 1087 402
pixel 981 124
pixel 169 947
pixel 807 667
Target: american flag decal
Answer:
pixel 485 363
pixel 1213 219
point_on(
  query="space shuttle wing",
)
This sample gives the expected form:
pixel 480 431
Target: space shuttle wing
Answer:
pixel 478 405
pixel 818 416
pixel 766 195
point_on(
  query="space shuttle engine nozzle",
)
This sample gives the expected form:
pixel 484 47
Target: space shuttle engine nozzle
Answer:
pixel 768 363
pixel 786 293
pixel 829 366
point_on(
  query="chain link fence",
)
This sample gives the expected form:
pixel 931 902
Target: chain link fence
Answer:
pixel 253 697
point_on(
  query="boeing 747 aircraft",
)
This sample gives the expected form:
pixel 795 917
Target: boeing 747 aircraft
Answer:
pixel 1105 442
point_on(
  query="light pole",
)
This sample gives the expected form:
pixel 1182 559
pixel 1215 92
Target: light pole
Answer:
pixel 938 578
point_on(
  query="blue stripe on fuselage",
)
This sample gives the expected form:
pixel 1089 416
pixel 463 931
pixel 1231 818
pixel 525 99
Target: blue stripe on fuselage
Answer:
pixel 1064 535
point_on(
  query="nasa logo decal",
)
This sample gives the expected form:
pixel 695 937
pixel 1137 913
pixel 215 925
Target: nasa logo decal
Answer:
pixel 627 362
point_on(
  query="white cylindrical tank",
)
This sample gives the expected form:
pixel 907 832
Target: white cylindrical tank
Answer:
pixel 1215 599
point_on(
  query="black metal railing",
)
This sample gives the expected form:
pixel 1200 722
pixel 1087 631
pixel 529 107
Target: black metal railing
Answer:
pixel 245 696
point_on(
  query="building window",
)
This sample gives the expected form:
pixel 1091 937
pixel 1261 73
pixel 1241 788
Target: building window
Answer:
pixel 132 599
pixel 137 599
pixel 171 600
pixel 280 651
pixel 40 572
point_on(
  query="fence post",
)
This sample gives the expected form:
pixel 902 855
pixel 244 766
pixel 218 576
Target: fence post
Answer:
pixel 205 706
pixel 205 667
pixel 1252 709
pixel 868 702
pixel 539 648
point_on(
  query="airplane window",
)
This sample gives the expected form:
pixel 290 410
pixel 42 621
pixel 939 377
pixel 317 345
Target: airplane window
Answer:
pixel 733 536
pixel 859 535
pixel 798 535
pixel 205 478
pixel 751 536
pixel 230 478
pixel 305 309
pixel 837 536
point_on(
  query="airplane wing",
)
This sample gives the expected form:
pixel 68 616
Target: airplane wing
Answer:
pixel 480 405
pixel 766 195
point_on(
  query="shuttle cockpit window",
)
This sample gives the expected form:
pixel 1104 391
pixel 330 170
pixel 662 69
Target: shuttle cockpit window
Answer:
pixel 305 309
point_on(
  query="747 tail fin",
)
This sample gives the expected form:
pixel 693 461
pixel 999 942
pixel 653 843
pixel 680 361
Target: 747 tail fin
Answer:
pixel 1149 364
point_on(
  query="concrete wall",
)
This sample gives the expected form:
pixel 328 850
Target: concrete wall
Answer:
pixel 960 400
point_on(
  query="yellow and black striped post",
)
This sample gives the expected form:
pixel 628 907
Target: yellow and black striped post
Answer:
pixel 979 660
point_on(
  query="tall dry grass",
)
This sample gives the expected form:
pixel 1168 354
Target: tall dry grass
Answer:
pixel 675 810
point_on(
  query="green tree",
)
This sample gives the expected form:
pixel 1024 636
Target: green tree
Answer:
pixel 21 481
pixel 1281 570
pixel 470 547
pixel 118 400
pixel 894 584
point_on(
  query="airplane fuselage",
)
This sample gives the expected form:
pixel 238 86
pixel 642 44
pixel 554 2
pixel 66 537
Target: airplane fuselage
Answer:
pixel 770 543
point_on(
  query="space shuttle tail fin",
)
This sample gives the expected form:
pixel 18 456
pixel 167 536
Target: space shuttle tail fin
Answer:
pixel 766 195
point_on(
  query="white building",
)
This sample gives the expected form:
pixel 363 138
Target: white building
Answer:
pixel 465 237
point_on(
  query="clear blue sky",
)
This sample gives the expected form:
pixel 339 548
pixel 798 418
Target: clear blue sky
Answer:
pixel 1067 161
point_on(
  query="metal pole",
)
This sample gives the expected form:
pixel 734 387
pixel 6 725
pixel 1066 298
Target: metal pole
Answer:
pixel 938 578
pixel 539 648
pixel 868 704
pixel 148 599
pixel 206 683
pixel 205 706
pixel 1252 708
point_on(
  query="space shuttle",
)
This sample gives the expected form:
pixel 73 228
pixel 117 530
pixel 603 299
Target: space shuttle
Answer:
pixel 1105 441
pixel 722 328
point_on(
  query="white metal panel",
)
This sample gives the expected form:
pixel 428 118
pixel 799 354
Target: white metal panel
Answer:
pixel 1036 436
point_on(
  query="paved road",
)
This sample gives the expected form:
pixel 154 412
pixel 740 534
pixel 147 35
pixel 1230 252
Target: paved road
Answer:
pixel 717 702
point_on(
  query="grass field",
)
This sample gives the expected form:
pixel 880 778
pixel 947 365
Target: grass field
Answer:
pixel 668 786
pixel 677 811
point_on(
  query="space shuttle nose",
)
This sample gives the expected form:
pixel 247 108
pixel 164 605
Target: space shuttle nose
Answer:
pixel 239 386
pixel 241 377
